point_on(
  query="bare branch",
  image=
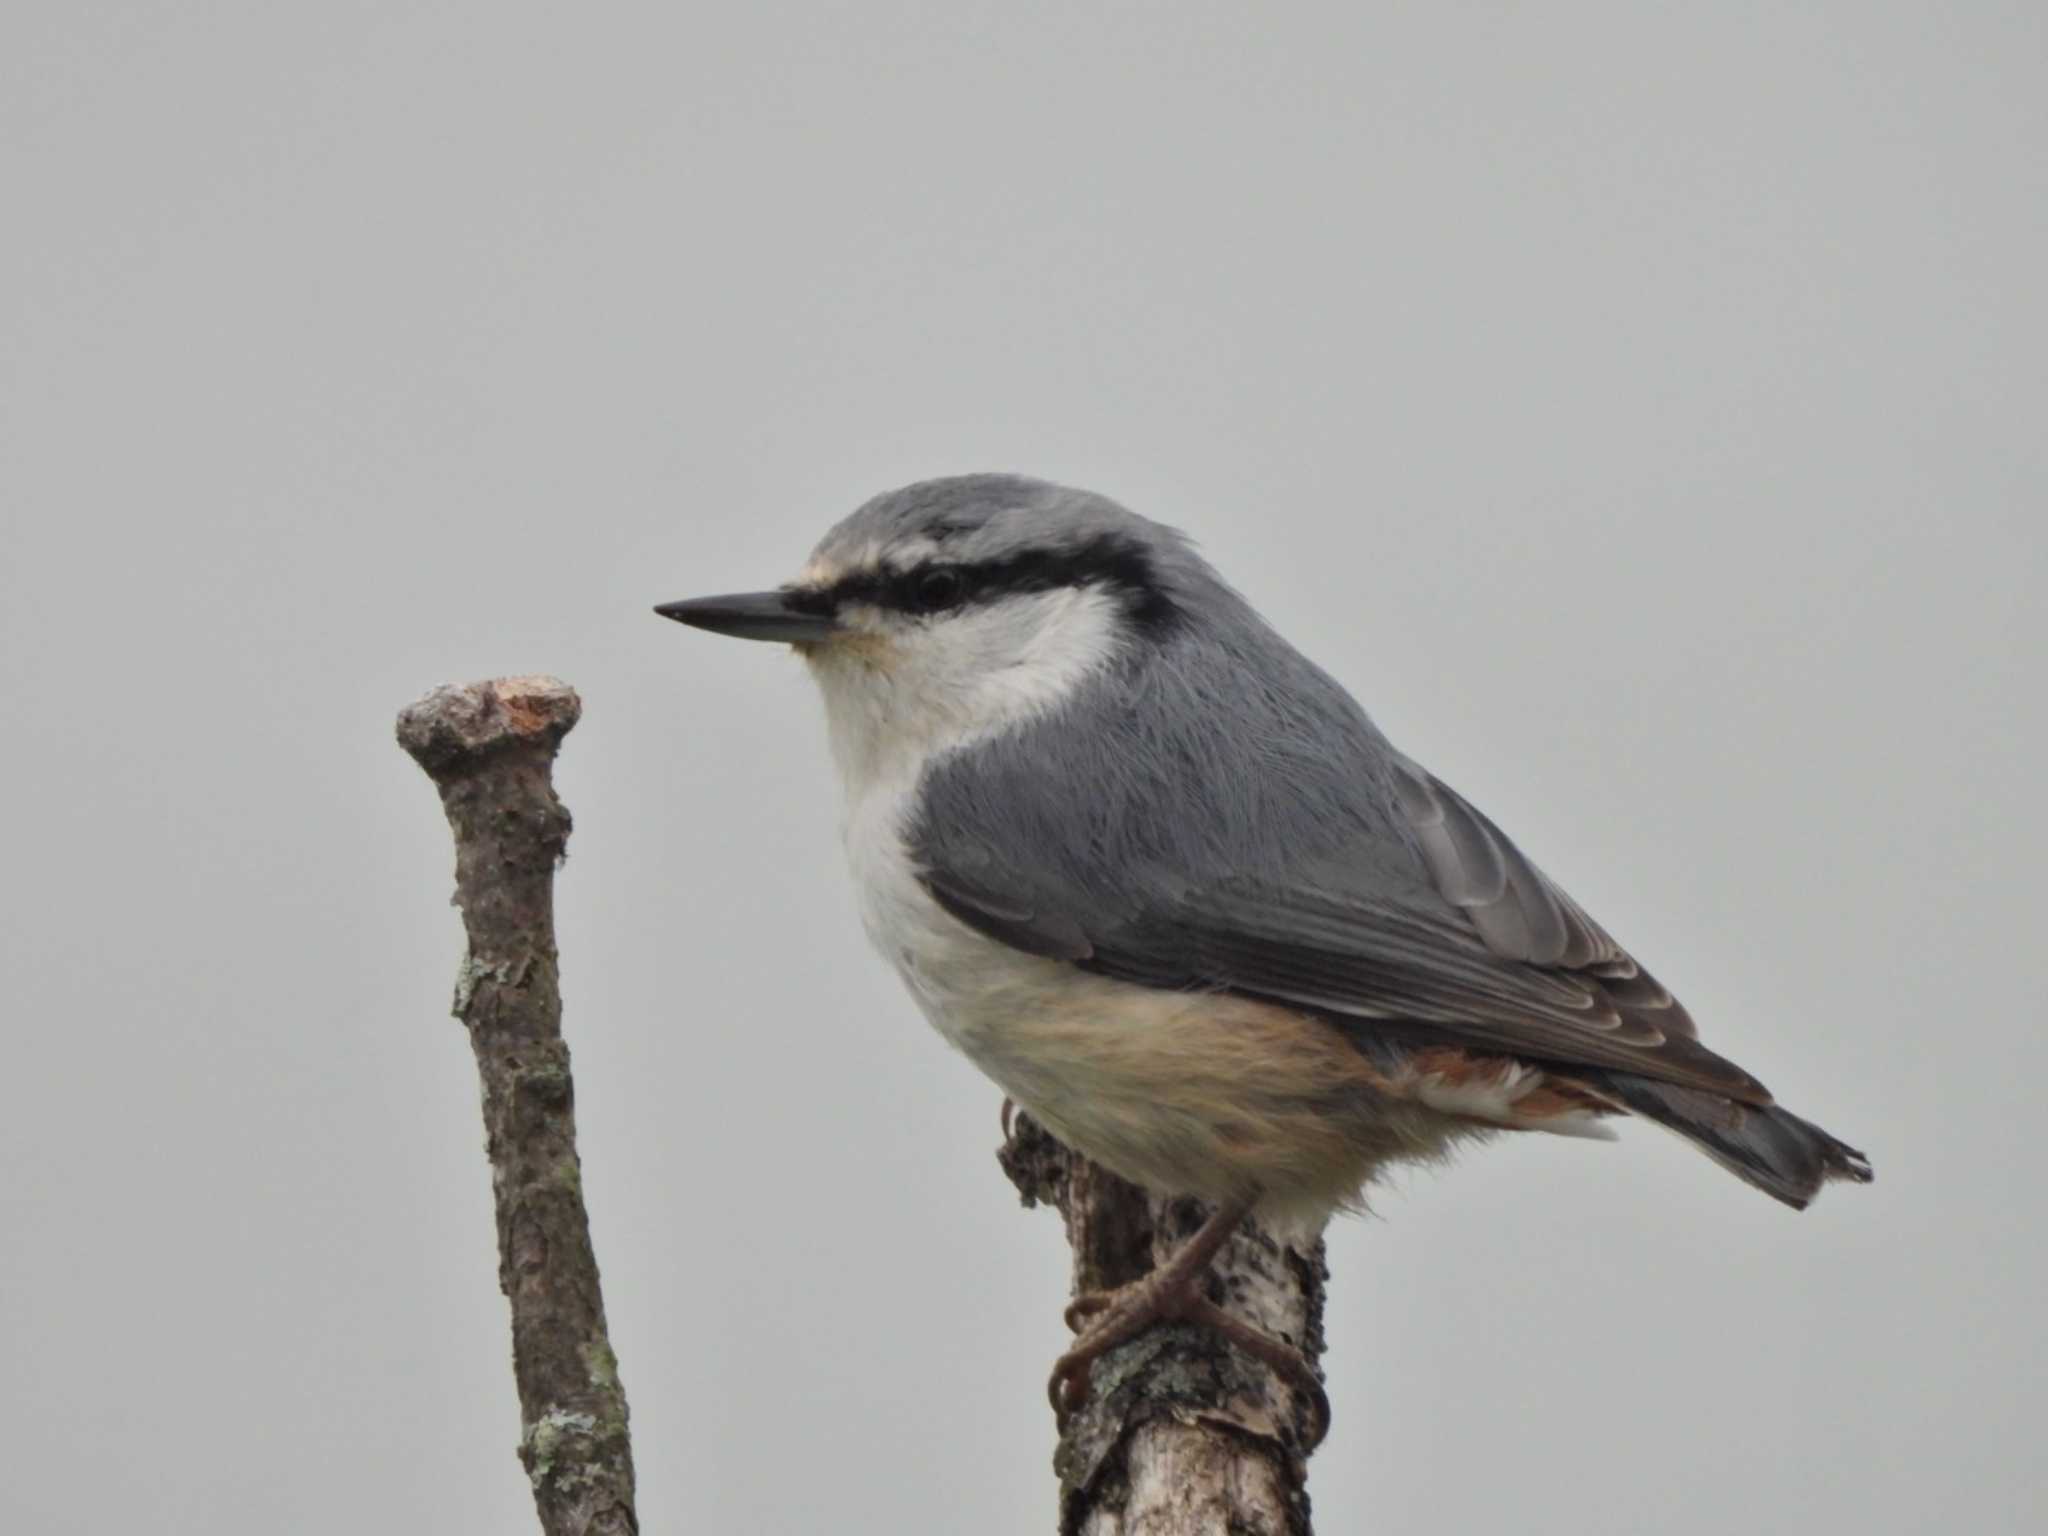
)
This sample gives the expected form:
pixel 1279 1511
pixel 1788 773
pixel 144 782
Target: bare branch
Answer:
pixel 1181 1436
pixel 489 748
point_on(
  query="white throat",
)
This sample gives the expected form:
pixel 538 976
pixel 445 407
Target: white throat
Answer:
pixel 895 700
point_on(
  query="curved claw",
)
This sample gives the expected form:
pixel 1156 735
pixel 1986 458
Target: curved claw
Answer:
pixel 1081 1308
pixel 1305 1382
pixel 1068 1386
pixel 1320 1401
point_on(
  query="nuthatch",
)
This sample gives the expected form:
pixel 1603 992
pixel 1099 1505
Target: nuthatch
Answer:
pixel 1161 878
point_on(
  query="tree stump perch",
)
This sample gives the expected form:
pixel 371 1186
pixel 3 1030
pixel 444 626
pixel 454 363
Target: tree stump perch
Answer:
pixel 1181 1435
pixel 489 748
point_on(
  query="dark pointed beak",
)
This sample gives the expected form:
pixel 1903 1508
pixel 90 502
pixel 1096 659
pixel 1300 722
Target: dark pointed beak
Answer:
pixel 753 616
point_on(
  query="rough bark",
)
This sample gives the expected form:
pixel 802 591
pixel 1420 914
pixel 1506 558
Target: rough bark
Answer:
pixel 489 748
pixel 1181 1436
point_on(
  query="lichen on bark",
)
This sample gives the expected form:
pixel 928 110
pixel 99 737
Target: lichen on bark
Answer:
pixel 489 748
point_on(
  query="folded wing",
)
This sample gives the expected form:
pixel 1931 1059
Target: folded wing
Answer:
pixel 1478 949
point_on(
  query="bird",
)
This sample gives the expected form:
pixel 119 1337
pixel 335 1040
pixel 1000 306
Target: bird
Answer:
pixel 1161 878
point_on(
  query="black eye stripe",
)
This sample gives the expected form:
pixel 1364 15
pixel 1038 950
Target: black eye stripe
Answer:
pixel 1110 561
pixel 938 587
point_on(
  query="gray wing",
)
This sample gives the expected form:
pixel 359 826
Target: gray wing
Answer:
pixel 1339 877
pixel 1519 912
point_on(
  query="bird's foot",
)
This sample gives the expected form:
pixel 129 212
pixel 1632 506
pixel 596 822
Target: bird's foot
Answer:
pixel 1171 1295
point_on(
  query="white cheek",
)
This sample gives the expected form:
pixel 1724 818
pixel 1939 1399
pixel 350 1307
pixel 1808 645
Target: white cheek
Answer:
pixel 908 691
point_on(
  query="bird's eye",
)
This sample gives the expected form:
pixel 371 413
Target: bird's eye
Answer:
pixel 939 589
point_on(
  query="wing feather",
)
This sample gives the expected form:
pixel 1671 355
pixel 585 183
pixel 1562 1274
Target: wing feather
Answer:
pixel 1291 856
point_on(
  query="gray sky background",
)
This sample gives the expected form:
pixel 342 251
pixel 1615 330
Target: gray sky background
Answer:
pixel 1641 408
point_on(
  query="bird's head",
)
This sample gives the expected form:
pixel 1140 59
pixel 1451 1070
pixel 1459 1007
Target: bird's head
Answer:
pixel 951 608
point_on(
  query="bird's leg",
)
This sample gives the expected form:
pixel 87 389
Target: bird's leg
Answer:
pixel 1173 1293
pixel 1167 1286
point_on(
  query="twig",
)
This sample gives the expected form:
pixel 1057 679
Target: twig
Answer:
pixel 488 748
pixel 1181 1436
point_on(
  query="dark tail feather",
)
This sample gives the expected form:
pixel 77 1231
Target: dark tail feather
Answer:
pixel 1784 1156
